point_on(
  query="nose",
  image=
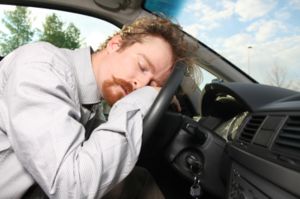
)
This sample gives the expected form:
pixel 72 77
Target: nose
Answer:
pixel 140 82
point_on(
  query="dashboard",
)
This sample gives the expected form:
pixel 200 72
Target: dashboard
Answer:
pixel 246 144
pixel 261 125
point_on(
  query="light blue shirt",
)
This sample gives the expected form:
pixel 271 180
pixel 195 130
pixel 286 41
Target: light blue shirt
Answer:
pixel 42 89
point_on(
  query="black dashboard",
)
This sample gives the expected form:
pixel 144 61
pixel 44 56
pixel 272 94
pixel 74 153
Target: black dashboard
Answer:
pixel 262 130
pixel 246 143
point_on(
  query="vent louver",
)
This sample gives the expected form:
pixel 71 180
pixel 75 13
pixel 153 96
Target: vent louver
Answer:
pixel 251 127
pixel 288 139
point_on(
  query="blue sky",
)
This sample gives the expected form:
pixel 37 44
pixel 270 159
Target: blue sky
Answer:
pixel 270 27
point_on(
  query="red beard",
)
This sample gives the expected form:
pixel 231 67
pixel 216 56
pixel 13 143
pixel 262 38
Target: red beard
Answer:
pixel 110 91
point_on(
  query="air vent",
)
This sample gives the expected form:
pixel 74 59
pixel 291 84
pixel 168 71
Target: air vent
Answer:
pixel 288 139
pixel 251 127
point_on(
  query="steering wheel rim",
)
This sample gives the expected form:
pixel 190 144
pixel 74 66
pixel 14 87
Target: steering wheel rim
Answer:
pixel 161 103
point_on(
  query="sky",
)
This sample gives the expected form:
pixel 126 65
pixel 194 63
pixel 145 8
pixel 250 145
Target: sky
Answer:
pixel 255 35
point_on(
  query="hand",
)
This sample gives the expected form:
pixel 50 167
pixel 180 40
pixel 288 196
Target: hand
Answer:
pixel 174 101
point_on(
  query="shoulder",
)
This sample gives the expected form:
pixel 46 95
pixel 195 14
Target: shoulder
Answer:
pixel 38 51
pixel 44 54
pixel 41 46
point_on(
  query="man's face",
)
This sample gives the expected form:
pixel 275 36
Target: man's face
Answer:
pixel 139 65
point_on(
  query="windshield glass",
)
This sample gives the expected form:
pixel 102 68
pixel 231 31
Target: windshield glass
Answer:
pixel 261 37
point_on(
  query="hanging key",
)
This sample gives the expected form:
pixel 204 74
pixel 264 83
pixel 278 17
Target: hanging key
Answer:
pixel 196 167
pixel 195 190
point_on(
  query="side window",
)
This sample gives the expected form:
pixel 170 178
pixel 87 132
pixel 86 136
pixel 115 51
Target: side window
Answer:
pixel 21 25
pixel 192 87
pixel 207 78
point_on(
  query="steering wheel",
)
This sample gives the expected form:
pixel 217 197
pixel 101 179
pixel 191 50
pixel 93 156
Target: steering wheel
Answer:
pixel 161 104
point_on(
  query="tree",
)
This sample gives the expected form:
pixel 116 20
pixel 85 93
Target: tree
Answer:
pixel 20 29
pixel 278 77
pixel 72 37
pixel 53 32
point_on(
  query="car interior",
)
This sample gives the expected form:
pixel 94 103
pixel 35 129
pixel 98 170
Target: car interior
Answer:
pixel 234 138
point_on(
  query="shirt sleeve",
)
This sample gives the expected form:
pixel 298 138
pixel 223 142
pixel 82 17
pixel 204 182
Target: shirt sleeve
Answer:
pixel 47 138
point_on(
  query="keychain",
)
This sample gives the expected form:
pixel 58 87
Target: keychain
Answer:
pixel 195 190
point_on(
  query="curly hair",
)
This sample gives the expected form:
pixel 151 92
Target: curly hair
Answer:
pixel 161 27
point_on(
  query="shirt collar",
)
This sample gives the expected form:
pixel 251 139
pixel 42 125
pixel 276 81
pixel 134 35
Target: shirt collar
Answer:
pixel 86 82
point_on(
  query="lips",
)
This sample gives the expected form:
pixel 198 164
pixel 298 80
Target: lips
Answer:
pixel 123 90
pixel 115 89
pixel 127 89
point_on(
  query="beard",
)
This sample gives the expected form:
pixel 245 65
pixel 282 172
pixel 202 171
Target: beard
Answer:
pixel 115 89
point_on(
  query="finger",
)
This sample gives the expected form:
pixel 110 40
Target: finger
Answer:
pixel 176 103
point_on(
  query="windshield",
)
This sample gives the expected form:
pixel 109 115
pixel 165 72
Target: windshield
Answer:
pixel 261 37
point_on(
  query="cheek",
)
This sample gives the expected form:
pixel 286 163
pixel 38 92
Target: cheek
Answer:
pixel 164 77
pixel 125 70
pixel 117 64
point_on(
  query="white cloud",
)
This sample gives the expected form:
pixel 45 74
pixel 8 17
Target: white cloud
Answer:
pixel 263 55
pixel 208 13
pixel 270 38
pixel 251 9
pixel 235 49
pixel 295 4
pixel 282 14
pixel 197 29
pixel 264 29
pixel 238 40
pixel 282 52
pixel 210 16
pixel 286 51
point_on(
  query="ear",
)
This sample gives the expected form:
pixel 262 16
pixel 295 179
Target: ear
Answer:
pixel 114 43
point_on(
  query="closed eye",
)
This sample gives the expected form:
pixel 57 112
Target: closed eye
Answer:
pixel 143 68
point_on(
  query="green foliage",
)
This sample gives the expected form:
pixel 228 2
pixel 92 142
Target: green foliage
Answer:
pixel 54 32
pixel 19 25
pixel 20 31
